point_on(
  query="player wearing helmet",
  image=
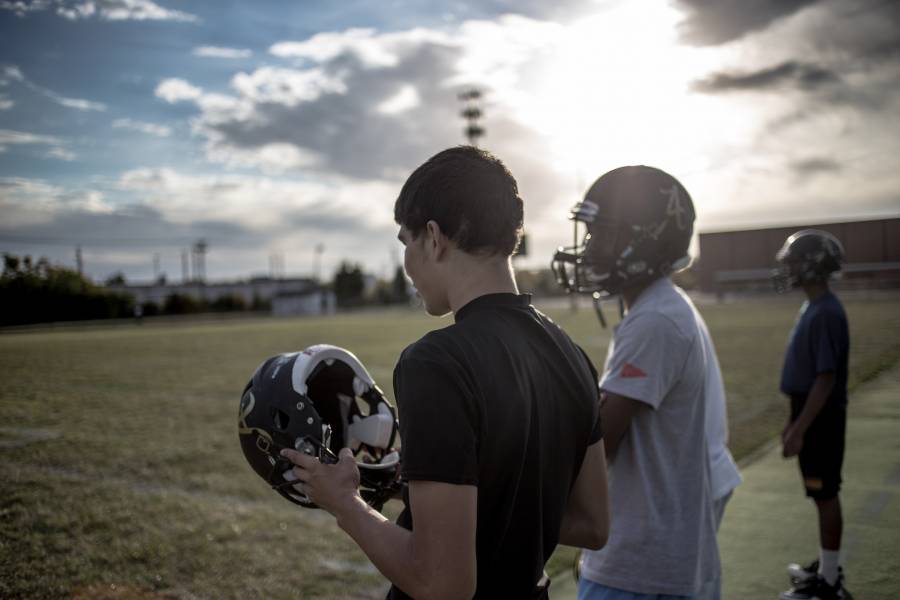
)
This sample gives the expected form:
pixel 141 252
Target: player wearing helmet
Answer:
pixel 814 377
pixel 500 437
pixel 663 408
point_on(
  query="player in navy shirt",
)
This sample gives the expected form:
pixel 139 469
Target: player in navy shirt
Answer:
pixel 814 377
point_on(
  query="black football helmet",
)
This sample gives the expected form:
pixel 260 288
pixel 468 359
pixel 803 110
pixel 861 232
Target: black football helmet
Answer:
pixel 639 221
pixel 807 256
pixel 318 401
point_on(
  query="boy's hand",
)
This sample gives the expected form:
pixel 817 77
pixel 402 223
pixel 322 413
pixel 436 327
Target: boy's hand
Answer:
pixel 332 487
pixel 791 441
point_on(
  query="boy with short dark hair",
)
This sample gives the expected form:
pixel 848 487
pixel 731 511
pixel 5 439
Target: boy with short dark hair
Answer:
pixel 499 417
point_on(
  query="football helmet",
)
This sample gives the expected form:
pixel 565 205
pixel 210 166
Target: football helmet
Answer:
pixel 806 256
pixel 318 401
pixel 638 223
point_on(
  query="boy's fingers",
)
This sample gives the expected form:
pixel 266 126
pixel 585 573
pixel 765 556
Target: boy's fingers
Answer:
pixel 299 458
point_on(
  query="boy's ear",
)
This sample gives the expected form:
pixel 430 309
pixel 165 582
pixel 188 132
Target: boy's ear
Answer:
pixel 435 240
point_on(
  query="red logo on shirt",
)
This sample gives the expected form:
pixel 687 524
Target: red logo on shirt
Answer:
pixel 629 370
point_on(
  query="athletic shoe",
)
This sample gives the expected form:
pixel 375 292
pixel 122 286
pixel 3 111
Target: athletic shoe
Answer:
pixel 818 589
pixel 801 574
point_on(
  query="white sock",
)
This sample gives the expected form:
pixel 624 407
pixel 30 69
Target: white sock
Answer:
pixel 828 564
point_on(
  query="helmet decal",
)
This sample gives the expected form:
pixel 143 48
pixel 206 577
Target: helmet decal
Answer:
pixel 674 207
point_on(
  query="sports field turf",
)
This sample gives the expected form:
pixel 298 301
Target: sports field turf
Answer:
pixel 121 475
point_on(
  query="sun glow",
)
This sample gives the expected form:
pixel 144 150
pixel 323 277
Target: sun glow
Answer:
pixel 616 90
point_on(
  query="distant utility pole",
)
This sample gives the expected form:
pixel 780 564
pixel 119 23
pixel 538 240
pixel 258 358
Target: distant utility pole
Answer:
pixel 185 272
pixel 199 253
pixel 155 267
pixel 276 265
pixel 471 112
pixel 79 263
pixel 317 261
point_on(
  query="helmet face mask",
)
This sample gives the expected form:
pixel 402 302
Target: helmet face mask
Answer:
pixel 808 256
pixel 318 401
pixel 639 223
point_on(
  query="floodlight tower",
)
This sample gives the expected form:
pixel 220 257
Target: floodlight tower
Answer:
pixel 471 112
pixel 318 249
pixel 199 251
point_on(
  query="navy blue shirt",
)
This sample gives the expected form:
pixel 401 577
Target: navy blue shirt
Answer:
pixel 819 343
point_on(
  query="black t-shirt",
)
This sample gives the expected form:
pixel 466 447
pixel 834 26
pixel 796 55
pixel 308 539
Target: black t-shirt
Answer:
pixel 505 401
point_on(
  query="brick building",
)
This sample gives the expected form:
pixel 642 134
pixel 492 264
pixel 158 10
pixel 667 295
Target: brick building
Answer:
pixel 741 260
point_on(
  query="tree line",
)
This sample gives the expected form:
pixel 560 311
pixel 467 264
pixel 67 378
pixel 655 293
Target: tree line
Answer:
pixel 36 291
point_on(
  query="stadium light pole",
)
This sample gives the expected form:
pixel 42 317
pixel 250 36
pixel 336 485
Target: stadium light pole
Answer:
pixel 472 112
pixel 318 249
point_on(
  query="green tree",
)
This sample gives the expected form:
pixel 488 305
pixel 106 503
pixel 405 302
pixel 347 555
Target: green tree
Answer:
pixel 349 284
pixel 399 286
pixel 38 292
pixel 117 278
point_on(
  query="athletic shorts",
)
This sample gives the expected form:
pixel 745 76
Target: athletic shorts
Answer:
pixel 822 455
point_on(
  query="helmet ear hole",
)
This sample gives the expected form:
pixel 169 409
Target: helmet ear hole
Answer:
pixel 280 419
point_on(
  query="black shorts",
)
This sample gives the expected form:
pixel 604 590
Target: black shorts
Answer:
pixel 822 455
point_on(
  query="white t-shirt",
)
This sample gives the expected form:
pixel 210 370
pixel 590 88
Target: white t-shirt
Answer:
pixel 724 474
pixel 662 534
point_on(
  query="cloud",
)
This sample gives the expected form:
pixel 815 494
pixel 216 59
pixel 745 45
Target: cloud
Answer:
pixel 364 44
pixel 789 74
pixel 815 165
pixel 107 10
pixel 22 7
pixel 12 73
pixel 287 87
pixel 244 218
pixel 363 104
pixel 219 52
pixel 142 127
pixel 712 23
pixel 177 90
pixel 57 149
pixel 60 153
pixel 405 99
pixel 8 136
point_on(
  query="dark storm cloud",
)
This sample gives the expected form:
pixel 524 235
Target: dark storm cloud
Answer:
pixel 714 22
pixel 789 74
pixel 344 130
pixel 815 165
pixel 350 136
pixel 139 227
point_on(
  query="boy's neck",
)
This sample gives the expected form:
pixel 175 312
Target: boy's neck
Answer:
pixel 815 290
pixel 477 278
pixel 631 294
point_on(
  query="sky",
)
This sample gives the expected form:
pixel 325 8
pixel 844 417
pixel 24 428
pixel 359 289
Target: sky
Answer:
pixel 281 131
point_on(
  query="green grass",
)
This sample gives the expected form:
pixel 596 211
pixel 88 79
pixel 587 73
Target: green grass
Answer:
pixel 142 486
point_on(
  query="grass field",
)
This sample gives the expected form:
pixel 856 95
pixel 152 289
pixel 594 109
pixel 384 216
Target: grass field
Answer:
pixel 121 475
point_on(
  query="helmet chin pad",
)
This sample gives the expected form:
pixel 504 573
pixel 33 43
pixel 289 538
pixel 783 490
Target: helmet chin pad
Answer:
pixel 374 430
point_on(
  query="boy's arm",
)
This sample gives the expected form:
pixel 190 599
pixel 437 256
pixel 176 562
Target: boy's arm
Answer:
pixel 615 415
pixel 792 439
pixel 585 523
pixel 435 560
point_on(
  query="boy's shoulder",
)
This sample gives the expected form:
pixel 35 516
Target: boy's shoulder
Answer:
pixel 668 312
